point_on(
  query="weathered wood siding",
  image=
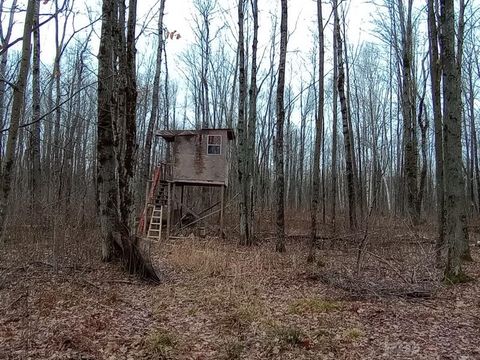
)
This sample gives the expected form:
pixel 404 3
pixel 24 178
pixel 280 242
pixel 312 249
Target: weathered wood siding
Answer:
pixel 192 163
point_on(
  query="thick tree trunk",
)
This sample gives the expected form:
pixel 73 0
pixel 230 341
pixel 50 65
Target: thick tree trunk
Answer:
pixel 115 168
pixel 346 131
pixel 34 141
pixel 408 110
pixel 252 126
pixel 279 170
pixel 242 132
pixel 435 76
pixel 334 125
pixel 466 255
pixel 318 136
pixel 130 130
pixel 16 114
pixel 5 40
pixel 456 233
pixel 107 187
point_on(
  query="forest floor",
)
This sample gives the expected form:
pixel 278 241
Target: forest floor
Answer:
pixel 221 301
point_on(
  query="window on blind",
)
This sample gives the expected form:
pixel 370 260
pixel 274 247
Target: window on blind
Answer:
pixel 214 145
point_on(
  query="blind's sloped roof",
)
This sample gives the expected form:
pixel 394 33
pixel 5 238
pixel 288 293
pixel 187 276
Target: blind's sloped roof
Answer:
pixel 169 135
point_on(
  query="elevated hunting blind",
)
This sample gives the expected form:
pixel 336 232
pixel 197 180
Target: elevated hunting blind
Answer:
pixel 188 186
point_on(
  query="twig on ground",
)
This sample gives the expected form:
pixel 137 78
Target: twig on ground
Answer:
pixel 16 300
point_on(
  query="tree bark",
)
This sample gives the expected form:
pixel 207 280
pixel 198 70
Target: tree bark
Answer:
pixel 107 187
pixel 318 136
pixel 5 40
pixel 16 114
pixel 116 159
pixel 346 131
pixel 252 126
pixel 334 124
pixel 435 76
pixel 155 97
pixel 34 140
pixel 242 132
pixel 456 233
pixel 408 111
pixel 279 170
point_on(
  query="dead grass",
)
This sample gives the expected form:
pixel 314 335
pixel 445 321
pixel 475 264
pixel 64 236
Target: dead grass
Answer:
pixel 353 333
pixel 222 301
pixel 161 342
pixel 313 305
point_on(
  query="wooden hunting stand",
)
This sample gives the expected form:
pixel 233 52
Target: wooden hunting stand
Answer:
pixel 196 160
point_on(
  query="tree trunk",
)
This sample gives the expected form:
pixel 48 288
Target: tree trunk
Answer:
pixel 16 113
pixel 34 141
pixel 423 123
pixel 242 132
pixel 346 131
pixel 435 76
pixel 155 94
pixel 114 160
pixel 252 127
pixel 456 233
pixel 107 187
pixel 334 124
pixel 5 40
pixel 279 170
pixel 318 136
pixel 408 110
pixel 466 255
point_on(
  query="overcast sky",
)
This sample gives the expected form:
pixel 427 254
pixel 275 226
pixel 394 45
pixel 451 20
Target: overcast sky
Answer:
pixel 301 22
pixel 179 14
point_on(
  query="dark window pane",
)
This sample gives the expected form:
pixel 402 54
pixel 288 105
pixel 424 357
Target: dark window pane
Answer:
pixel 213 150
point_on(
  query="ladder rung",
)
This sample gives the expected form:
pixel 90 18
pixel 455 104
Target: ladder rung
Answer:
pixel 156 221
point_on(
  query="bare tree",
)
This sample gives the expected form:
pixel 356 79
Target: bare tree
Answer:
pixel 16 114
pixel 155 99
pixel 245 238
pixel 318 135
pixel 410 138
pixel 116 118
pixel 5 39
pixel 334 123
pixel 435 76
pixel 350 174
pixel 252 121
pixel 34 141
pixel 456 233
pixel 279 170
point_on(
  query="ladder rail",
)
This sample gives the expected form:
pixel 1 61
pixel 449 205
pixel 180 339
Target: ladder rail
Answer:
pixel 151 231
pixel 157 175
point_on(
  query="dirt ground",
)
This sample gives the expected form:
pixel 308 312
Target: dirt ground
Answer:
pixel 218 300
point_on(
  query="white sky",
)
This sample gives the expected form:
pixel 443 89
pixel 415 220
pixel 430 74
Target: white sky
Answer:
pixel 179 14
pixel 301 20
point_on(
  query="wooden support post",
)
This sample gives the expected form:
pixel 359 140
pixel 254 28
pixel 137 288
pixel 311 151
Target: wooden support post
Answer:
pixel 172 197
pixel 144 230
pixel 181 200
pixel 161 224
pixel 169 210
pixel 222 210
